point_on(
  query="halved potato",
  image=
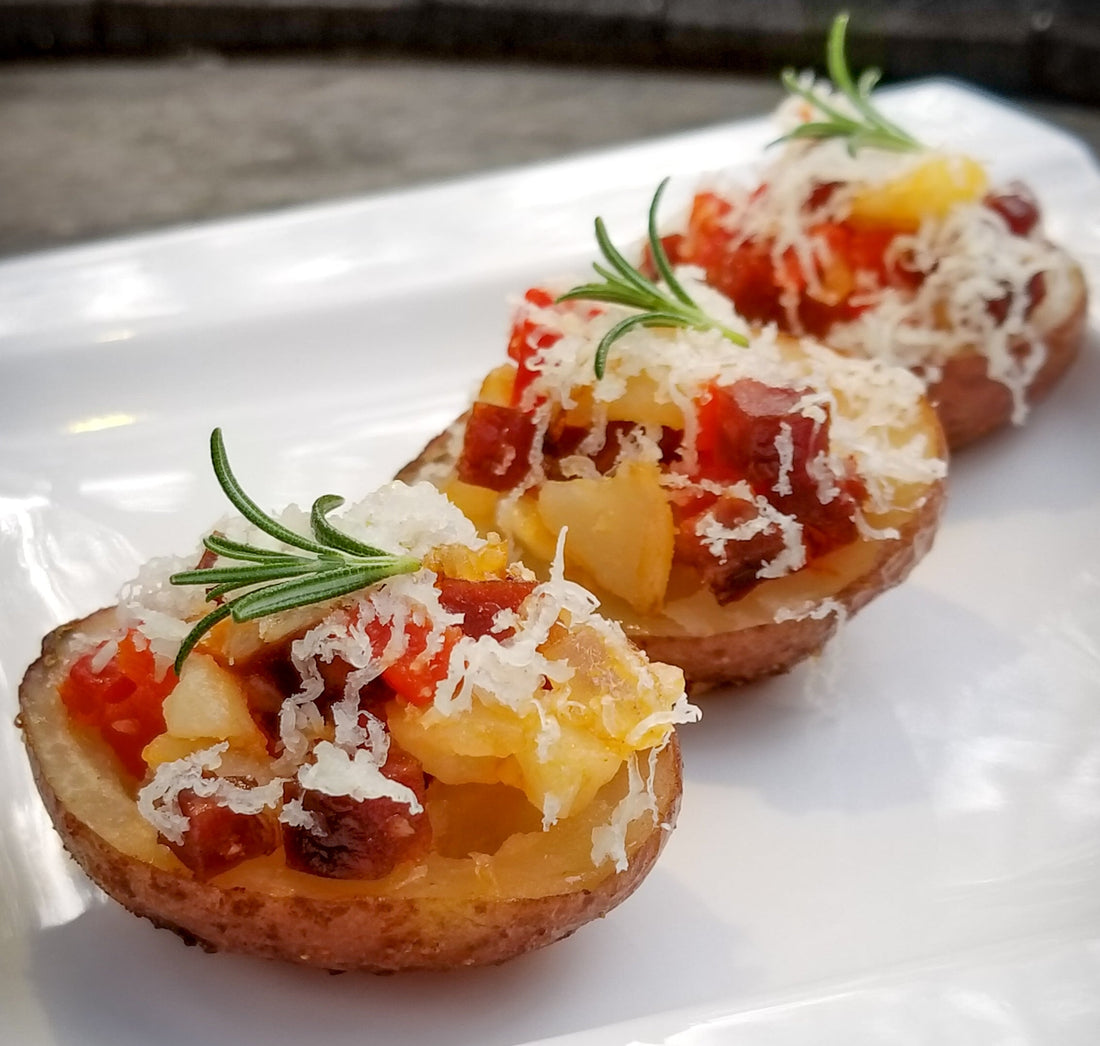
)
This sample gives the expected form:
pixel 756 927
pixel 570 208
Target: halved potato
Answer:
pixel 455 907
pixel 779 622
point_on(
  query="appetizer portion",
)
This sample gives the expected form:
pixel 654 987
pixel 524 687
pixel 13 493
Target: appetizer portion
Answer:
pixel 358 759
pixel 728 497
pixel 886 248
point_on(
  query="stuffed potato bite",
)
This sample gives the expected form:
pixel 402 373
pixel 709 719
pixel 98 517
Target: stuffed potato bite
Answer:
pixel 449 766
pixel 728 496
pixel 884 247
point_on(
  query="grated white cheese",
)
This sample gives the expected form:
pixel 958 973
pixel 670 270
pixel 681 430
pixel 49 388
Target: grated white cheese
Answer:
pixel 355 774
pixel 609 841
pixel 158 801
pixel 784 447
pixel 296 816
pixel 967 260
pixel 815 611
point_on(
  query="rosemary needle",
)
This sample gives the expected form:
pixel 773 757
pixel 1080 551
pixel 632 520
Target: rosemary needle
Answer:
pixel 867 126
pixel 333 564
pixel 623 284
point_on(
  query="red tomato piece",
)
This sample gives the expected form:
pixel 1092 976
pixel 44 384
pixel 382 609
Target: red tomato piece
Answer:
pixel 496 451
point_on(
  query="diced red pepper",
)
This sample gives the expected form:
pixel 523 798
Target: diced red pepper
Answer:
pixel 820 195
pixel 218 838
pixel 761 286
pixel 528 338
pixel 480 601
pixel 496 450
pixel 672 246
pixel 87 693
pixel 414 676
pixel 866 252
pixel 707 237
pixel 122 701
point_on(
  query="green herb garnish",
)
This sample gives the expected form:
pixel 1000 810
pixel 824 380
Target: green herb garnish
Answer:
pixel 624 285
pixel 335 563
pixel 868 127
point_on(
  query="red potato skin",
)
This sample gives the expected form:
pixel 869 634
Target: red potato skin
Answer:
pixel 375 934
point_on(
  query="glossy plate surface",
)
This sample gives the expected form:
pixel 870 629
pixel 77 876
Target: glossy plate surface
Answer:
pixel 897 844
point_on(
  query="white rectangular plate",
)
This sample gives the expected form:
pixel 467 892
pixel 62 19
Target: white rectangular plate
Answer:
pixel 899 843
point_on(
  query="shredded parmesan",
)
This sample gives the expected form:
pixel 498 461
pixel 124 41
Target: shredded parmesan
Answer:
pixel 356 774
pixel 966 260
pixel 609 841
pixel 158 802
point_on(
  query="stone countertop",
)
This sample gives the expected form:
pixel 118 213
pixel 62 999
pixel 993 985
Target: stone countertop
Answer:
pixel 107 146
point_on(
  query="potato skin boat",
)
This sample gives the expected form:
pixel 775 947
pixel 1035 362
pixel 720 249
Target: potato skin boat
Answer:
pixel 971 398
pixel 742 655
pixel 337 927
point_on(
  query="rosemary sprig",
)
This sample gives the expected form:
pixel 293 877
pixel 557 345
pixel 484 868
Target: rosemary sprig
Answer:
pixel 868 127
pixel 624 285
pixel 334 564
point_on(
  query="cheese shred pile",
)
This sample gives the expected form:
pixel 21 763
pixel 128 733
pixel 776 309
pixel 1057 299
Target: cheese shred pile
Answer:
pixel 964 255
pixel 553 700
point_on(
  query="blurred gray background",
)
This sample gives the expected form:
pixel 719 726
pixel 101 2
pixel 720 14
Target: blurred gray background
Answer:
pixel 123 116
